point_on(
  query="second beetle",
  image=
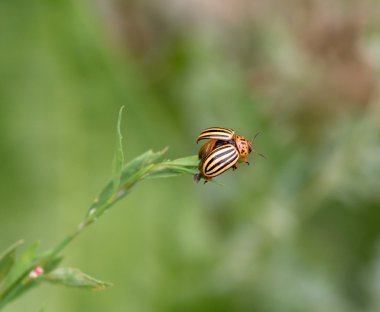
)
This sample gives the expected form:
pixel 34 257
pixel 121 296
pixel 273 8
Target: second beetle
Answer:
pixel 221 152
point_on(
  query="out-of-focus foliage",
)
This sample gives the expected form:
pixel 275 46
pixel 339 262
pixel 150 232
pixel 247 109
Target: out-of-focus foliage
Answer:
pixel 296 232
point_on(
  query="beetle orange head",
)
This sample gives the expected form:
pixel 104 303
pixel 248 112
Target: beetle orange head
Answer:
pixel 244 146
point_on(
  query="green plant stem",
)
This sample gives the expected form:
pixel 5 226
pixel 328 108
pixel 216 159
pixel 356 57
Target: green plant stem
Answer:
pixel 143 167
pixel 174 167
pixel 125 177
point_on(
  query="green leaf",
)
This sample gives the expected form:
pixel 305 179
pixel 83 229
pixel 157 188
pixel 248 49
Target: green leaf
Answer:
pixel 14 285
pixel 52 264
pixel 27 258
pixel 72 277
pixel 132 173
pixel 175 167
pixel 119 157
pixel 189 161
pixel 7 260
pixel 22 265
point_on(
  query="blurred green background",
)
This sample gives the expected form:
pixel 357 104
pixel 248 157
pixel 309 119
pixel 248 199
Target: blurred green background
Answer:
pixel 299 231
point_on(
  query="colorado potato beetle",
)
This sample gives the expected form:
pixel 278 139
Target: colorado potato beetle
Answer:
pixel 221 152
pixel 219 160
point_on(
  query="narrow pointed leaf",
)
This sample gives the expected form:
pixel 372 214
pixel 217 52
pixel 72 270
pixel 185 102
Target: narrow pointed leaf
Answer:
pixel 13 284
pixel 119 157
pixel 188 165
pixel 52 264
pixel 22 265
pixel 7 260
pixel 132 173
pixel 72 277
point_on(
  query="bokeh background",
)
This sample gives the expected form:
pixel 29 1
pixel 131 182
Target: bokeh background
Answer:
pixel 299 231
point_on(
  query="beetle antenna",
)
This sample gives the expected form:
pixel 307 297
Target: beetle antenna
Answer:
pixel 263 156
pixel 254 138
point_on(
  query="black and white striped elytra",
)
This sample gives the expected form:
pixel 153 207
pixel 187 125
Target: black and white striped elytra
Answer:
pixel 221 152
pixel 218 161
pixel 223 134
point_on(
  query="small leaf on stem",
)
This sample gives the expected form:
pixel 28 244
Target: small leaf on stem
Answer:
pixel 119 157
pixel 7 259
pixel 72 277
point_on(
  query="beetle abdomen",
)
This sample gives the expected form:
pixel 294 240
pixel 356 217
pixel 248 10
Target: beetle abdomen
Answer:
pixel 219 160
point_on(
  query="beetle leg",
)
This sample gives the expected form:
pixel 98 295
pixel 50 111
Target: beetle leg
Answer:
pixel 197 177
pixel 207 179
pixel 245 159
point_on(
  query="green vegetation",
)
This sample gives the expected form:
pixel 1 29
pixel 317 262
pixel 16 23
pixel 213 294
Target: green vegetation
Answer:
pixel 297 231
pixel 17 275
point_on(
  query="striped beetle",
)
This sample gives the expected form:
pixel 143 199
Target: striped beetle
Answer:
pixel 221 152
